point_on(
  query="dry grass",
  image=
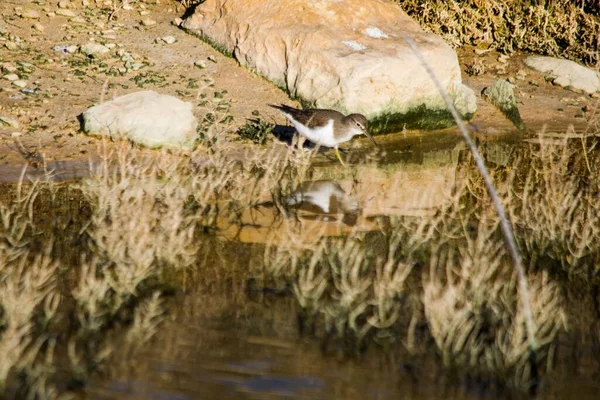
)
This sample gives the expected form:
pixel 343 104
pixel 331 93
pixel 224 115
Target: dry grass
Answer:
pixel 557 28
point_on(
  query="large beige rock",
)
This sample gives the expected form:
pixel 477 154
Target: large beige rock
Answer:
pixel 348 55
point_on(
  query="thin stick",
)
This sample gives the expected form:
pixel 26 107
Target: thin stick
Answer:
pixel 504 223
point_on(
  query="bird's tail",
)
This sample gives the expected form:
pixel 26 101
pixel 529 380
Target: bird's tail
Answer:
pixel 282 107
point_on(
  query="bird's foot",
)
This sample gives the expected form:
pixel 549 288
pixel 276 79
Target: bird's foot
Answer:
pixel 337 153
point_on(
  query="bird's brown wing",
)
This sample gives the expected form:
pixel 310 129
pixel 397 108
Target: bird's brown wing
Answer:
pixel 308 117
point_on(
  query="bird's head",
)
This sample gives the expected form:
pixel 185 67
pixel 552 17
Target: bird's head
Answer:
pixel 361 125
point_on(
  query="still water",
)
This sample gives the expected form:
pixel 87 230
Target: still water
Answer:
pixel 231 333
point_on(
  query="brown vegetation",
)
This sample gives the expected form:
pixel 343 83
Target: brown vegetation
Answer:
pixel 556 28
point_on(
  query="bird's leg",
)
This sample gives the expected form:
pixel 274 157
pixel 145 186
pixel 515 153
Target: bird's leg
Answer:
pixel 337 153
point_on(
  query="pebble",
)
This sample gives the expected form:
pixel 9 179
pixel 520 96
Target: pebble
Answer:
pixel 9 121
pixel 20 83
pixel 200 64
pixel 16 134
pixel 94 49
pixel 143 13
pixel 148 22
pixel 11 77
pixel 39 27
pixel 65 13
pixel 8 67
pixel 503 58
pixel 64 4
pixel 51 14
pixel 10 45
pixel 177 21
pixel 169 39
pixel 211 58
pixel 31 14
pixel 66 49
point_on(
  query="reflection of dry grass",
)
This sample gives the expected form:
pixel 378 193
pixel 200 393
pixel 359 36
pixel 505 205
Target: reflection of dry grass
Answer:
pixel 341 282
pixel 28 296
pixel 147 212
pixel 558 210
pixel 473 309
pixel 448 267
pixel 356 286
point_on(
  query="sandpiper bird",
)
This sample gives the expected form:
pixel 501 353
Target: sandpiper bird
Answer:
pixel 326 128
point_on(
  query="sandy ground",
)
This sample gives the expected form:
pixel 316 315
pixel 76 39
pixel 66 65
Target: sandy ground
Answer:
pixel 58 86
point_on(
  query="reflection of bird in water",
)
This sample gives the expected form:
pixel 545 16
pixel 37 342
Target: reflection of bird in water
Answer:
pixel 327 128
pixel 324 197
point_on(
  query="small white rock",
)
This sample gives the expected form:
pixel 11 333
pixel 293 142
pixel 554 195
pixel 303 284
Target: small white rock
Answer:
pixel 148 22
pixel 566 73
pixel 20 83
pixel 10 45
pixel 12 122
pixel 64 4
pixel 31 14
pixel 503 58
pixel 177 21
pixel 143 13
pixel 15 134
pixel 65 13
pixel 39 27
pixel 8 67
pixel 94 49
pixel 11 77
pixel 169 39
pixel 200 64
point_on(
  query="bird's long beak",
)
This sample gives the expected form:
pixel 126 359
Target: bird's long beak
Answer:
pixel 370 137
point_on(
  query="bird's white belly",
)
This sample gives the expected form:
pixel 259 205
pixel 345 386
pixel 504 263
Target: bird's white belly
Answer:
pixel 322 136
